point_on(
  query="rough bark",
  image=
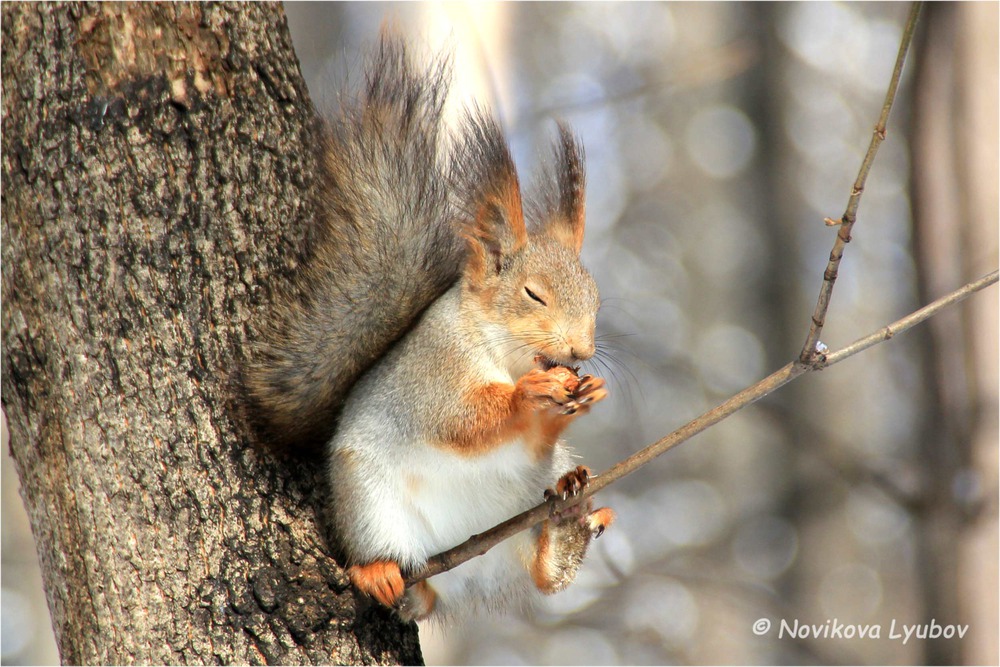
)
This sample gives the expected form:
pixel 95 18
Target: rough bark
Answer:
pixel 155 178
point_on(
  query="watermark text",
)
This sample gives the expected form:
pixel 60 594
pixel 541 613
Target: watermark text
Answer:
pixel 835 629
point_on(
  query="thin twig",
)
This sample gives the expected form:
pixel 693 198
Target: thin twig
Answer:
pixel 901 325
pixel 809 350
pixel 483 542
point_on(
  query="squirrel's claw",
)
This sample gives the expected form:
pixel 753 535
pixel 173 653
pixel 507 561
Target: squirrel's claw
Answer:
pixel 599 520
pixel 574 481
pixel 588 391
pixel 570 484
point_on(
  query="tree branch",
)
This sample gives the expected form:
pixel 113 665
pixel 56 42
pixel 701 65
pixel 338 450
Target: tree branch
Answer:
pixel 846 222
pixel 483 542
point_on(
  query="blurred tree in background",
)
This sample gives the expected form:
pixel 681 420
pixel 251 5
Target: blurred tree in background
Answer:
pixel 718 137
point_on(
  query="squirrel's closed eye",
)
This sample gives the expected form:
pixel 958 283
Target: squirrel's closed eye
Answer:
pixel 534 296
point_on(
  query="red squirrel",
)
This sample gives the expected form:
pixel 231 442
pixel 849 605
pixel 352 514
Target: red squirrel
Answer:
pixel 432 343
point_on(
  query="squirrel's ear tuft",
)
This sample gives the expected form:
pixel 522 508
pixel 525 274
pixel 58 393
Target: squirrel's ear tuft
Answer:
pixel 489 195
pixel 562 209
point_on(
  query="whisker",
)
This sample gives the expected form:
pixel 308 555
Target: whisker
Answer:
pixel 609 336
pixel 615 368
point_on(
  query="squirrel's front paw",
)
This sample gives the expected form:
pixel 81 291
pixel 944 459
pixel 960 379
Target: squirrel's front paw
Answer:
pixel 544 388
pixel 382 580
pixel 588 390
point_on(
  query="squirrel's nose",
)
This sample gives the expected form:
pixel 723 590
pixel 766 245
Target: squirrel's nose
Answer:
pixel 582 350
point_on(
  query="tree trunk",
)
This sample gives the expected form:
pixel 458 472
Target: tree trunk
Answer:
pixel 155 177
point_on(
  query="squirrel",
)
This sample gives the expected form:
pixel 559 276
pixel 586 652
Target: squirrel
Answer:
pixel 431 341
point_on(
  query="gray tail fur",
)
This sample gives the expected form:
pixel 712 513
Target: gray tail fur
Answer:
pixel 386 245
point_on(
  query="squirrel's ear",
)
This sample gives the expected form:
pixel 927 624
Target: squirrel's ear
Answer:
pixel 489 195
pixel 564 206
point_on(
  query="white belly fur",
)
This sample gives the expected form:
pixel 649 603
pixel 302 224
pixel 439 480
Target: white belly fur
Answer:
pixel 441 498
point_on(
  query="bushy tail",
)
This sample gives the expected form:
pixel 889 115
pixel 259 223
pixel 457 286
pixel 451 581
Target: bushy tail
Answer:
pixel 387 245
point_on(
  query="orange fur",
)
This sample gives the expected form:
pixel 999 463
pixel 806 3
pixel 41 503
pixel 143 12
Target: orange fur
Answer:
pixel 498 413
pixel 495 414
pixel 551 424
pixel 497 228
pixel 382 580
pixel 569 234
pixel 508 198
pixel 475 262
pixel 600 519
pixel 541 565
pixel 504 197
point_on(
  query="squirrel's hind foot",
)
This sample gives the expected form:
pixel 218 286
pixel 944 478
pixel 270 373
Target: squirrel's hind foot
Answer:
pixel 570 484
pixel 600 520
pixel 381 580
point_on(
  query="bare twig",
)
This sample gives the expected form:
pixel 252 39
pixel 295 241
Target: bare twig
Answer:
pixel 901 325
pixel 483 542
pixel 809 350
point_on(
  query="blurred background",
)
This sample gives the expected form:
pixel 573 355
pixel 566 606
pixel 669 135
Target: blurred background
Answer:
pixel 718 137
